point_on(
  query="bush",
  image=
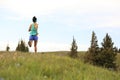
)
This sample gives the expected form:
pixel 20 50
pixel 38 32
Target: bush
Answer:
pixel 22 47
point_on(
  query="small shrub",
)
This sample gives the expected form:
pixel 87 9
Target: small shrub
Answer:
pixel 22 47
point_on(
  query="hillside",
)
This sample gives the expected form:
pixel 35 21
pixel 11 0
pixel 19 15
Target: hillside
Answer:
pixel 26 66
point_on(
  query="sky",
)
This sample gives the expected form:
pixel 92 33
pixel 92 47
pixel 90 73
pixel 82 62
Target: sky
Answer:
pixel 59 21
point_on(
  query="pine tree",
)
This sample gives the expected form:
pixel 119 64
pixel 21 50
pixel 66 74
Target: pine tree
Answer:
pixel 116 49
pixel 107 54
pixel 22 47
pixel 93 51
pixel 74 48
pixel 7 48
pixel 119 50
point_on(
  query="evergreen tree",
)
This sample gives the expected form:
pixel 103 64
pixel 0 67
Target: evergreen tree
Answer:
pixel 107 54
pixel 93 51
pixel 22 47
pixel 74 48
pixel 7 48
pixel 116 49
pixel 119 50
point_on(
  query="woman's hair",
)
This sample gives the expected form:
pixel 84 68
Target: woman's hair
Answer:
pixel 34 19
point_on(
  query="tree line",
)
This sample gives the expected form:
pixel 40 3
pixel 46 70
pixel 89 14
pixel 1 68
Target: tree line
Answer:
pixel 104 56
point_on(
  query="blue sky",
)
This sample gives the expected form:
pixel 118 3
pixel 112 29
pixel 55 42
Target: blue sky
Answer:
pixel 59 21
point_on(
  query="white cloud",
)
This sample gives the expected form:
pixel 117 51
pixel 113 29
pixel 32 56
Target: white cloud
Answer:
pixel 43 7
pixel 28 8
pixel 52 46
pixel 106 21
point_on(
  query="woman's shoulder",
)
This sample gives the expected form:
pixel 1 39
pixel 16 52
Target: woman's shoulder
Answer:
pixel 36 24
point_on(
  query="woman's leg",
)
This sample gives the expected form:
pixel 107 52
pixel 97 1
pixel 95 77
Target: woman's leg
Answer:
pixel 35 46
pixel 30 43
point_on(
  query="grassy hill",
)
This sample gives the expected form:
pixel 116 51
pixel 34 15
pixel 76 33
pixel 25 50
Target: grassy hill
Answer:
pixel 27 66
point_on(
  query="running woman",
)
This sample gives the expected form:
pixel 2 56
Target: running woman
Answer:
pixel 33 29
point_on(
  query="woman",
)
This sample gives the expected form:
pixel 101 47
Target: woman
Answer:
pixel 33 34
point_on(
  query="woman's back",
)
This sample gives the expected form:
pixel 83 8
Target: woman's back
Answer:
pixel 33 30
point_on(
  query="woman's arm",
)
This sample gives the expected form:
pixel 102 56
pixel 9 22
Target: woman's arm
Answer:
pixel 30 28
pixel 37 28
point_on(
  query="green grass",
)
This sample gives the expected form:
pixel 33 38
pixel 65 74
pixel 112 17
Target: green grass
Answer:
pixel 26 66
